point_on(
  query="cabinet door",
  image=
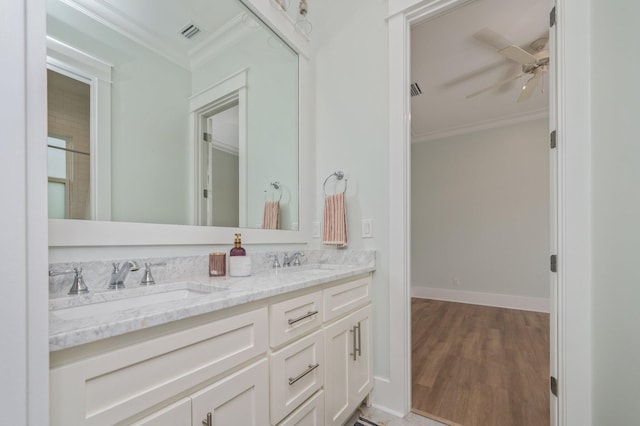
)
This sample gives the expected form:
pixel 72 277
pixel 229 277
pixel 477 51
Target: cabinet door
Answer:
pixel 338 345
pixel 176 414
pixel 349 369
pixel 239 399
pixel 361 368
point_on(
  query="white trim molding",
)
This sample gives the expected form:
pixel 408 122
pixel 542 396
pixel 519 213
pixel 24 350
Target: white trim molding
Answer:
pixel 574 206
pixel 202 105
pixel 523 303
pixel 482 125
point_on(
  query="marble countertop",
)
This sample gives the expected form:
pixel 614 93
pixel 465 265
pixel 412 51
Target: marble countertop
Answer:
pixel 82 319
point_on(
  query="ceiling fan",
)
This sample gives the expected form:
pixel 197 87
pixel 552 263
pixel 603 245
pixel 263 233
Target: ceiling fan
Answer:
pixel 534 62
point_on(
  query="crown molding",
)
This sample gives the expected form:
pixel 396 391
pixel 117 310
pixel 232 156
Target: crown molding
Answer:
pixel 503 121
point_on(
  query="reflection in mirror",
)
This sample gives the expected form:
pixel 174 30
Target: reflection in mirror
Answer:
pixel 68 148
pixel 167 139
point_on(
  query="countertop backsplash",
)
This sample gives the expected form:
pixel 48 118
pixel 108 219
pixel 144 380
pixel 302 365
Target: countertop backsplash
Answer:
pixel 168 269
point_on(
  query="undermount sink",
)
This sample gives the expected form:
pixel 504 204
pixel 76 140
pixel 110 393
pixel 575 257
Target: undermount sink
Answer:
pixel 105 303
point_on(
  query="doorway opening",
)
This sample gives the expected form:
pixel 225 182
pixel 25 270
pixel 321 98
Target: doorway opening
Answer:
pixel 481 214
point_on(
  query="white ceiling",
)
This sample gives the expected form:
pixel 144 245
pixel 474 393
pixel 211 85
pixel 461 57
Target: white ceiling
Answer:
pixel 449 63
pixel 157 23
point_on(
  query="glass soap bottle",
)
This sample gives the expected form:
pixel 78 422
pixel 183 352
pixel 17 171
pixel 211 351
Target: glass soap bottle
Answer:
pixel 237 249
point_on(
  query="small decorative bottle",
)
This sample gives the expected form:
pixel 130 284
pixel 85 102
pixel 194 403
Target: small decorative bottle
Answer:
pixel 237 249
pixel 239 262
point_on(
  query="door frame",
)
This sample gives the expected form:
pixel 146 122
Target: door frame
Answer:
pixel 202 105
pixel 571 113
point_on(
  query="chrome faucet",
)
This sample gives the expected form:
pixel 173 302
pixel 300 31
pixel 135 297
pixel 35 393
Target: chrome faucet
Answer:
pixel 78 287
pixel 120 273
pixel 295 258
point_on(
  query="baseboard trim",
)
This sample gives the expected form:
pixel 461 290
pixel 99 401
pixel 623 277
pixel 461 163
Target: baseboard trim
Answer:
pixel 434 417
pixel 535 304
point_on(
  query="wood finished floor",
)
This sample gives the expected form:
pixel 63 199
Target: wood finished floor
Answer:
pixel 478 365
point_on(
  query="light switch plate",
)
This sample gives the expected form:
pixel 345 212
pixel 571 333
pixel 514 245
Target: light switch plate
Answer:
pixel 367 228
pixel 315 229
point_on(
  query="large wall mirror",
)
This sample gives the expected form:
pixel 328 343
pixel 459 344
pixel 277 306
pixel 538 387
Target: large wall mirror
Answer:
pixel 171 112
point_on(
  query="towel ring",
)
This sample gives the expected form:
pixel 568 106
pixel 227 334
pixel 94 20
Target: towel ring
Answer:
pixel 276 187
pixel 339 175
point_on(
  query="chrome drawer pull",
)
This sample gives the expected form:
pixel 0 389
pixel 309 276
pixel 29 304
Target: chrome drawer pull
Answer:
pixel 312 367
pixel 300 318
pixel 354 354
pixel 208 421
pixel 359 348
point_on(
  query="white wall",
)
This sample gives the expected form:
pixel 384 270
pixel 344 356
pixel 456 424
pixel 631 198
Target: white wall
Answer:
pixel 480 211
pixel 351 63
pixel 616 212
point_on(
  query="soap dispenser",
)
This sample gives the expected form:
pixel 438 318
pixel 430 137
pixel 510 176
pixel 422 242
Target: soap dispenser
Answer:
pixel 237 249
pixel 239 262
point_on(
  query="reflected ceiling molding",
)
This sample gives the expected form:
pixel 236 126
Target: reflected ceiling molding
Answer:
pixel 207 46
pixel 241 26
pixel 481 125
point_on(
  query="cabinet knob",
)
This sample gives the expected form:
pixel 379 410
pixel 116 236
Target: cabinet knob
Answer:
pixel 208 421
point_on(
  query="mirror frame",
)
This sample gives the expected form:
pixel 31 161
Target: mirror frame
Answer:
pixel 76 233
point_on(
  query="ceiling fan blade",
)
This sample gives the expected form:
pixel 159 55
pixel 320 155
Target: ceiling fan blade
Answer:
pixel 492 38
pixel 530 86
pixel 493 86
pixel 518 54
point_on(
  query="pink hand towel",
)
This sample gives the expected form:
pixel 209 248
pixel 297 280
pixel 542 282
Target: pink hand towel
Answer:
pixel 271 216
pixel 334 231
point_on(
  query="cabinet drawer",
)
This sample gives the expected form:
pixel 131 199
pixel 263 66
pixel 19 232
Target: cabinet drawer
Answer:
pixel 113 386
pixel 311 413
pixel 297 372
pixel 294 317
pixel 340 299
pixel 240 399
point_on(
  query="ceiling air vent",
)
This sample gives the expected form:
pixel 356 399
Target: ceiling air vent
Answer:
pixel 190 30
pixel 415 89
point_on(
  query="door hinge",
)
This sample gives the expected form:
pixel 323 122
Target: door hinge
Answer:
pixel 553 263
pixel 207 137
pixel 552 138
pixel 552 17
pixel 554 386
pixel 205 193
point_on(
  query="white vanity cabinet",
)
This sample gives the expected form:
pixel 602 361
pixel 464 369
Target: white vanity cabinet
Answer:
pixel 295 359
